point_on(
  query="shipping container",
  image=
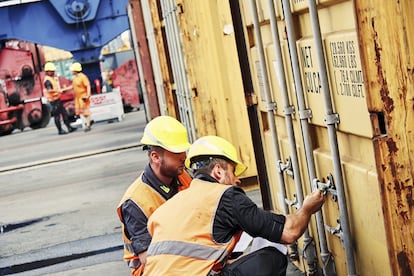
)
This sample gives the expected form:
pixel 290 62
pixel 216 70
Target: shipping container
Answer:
pixel 314 94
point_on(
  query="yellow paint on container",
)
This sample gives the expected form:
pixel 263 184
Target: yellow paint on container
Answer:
pixel 218 99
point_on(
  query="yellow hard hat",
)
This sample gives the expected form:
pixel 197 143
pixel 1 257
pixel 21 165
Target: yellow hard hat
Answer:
pixel 76 67
pixel 166 132
pixel 49 66
pixel 214 146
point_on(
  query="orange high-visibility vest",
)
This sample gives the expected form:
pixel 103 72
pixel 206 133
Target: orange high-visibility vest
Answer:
pixel 182 239
pixel 185 180
pixel 80 83
pixel 148 201
pixel 53 94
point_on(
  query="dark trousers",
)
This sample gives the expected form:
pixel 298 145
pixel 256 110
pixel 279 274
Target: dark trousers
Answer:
pixel 267 261
pixel 59 110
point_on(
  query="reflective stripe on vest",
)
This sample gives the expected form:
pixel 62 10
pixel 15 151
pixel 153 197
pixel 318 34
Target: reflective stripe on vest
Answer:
pixel 186 249
pixel 187 244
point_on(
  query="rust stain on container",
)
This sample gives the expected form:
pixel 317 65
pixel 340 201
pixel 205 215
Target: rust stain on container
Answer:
pixel 392 146
pixel 388 102
pixel 404 264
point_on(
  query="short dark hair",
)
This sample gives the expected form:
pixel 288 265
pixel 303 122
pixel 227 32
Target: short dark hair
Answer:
pixel 151 148
pixel 204 165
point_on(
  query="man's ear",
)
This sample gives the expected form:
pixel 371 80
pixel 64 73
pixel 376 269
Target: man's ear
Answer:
pixel 155 156
pixel 217 172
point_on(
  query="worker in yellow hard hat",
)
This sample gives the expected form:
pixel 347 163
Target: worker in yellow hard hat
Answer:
pixel 53 92
pixel 82 89
pixel 166 141
pixel 196 231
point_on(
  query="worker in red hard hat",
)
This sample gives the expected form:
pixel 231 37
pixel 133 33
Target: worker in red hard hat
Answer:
pixel 195 232
pixel 82 89
pixel 166 141
pixel 53 92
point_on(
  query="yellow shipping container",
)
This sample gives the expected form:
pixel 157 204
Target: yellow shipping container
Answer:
pixel 312 93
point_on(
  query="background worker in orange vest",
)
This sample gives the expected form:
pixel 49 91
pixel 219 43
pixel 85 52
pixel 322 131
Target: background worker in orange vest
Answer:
pixel 53 92
pixel 82 89
pixel 166 141
pixel 195 232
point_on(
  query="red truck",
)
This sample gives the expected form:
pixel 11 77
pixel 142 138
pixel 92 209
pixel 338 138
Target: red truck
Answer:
pixel 22 103
pixel 21 95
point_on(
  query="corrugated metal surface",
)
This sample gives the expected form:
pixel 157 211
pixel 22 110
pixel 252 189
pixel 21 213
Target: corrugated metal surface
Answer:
pixel 206 85
pixel 353 132
pixel 352 126
pixel 385 34
pixel 218 98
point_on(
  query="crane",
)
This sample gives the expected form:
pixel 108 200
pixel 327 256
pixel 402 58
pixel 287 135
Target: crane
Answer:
pixel 81 27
